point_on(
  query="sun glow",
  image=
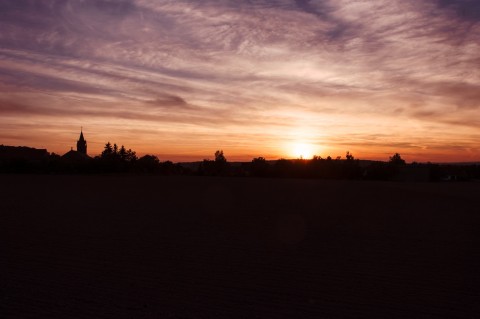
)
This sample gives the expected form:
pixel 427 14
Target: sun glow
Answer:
pixel 303 150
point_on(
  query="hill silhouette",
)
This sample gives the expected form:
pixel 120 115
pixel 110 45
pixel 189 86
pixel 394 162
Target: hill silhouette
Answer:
pixel 119 160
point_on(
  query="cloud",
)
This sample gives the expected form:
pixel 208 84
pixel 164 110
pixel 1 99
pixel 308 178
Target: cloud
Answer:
pixel 170 100
pixel 464 9
pixel 264 66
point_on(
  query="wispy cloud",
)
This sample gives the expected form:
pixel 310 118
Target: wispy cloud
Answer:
pixel 247 74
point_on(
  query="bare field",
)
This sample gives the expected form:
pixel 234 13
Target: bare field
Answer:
pixel 200 247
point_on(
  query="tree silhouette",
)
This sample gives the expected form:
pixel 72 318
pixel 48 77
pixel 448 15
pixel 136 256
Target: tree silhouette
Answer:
pixel 127 155
pixel 148 164
pixel 259 167
pixel 396 159
pixel 349 156
pixel 107 150
pixel 219 157
pixel 351 167
pixel 113 159
pixel 219 166
pixel 122 153
pixel 284 168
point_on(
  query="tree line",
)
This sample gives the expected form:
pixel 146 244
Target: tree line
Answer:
pixel 120 160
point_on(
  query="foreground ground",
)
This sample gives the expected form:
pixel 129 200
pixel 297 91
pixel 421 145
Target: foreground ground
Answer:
pixel 197 247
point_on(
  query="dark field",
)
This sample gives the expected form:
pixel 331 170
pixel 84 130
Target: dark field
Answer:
pixel 198 247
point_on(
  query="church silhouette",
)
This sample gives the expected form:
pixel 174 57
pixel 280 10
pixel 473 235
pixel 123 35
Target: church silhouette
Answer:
pixel 81 153
pixel 82 144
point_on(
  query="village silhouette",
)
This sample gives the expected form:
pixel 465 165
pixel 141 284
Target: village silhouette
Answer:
pixel 119 160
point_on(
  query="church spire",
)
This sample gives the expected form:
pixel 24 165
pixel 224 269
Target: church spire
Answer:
pixel 82 143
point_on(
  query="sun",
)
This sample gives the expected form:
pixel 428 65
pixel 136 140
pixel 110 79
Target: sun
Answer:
pixel 303 150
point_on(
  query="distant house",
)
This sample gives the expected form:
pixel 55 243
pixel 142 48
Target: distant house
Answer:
pixel 22 159
pixel 22 153
pixel 80 155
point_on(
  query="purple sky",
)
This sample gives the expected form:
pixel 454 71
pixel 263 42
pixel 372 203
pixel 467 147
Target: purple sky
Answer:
pixel 283 78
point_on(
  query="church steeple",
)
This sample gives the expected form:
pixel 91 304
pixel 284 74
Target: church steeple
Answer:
pixel 82 143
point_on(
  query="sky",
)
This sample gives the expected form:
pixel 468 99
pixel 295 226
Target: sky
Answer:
pixel 274 78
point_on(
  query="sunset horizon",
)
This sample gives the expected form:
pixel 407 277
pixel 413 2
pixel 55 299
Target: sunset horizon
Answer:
pixel 267 78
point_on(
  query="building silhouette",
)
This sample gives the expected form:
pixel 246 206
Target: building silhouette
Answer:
pixel 80 155
pixel 82 144
pixel 22 153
